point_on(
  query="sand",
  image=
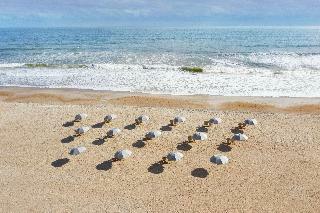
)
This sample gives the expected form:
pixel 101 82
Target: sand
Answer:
pixel 276 170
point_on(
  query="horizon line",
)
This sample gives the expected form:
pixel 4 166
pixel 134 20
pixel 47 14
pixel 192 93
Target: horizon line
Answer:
pixel 147 26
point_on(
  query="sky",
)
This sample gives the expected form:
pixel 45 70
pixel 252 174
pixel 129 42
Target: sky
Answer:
pixel 171 13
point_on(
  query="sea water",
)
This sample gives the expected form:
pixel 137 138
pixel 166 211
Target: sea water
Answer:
pixel 237 61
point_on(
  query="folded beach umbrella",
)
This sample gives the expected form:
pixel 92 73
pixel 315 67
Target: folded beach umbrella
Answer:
pixel 80 117
pixel 199 136
pixel 219 159
pixel 142 119
pixel 82 130
pixel 77 150
pixel 240 137
pixel 174 156
pixel 122 154
pixel 251 121
pixel 179 119
pixel 215 121
pixel 110 118
pixel 113 132
pixel 153 134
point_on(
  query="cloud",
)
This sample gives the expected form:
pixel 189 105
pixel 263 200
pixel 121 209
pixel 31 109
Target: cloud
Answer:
pixel 104 11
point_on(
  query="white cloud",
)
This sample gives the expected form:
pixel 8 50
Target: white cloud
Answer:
pixel 95 10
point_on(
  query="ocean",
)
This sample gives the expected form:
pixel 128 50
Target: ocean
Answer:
pixel 237 61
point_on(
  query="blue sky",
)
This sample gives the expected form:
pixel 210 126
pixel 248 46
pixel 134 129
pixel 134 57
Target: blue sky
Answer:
pixel 99 13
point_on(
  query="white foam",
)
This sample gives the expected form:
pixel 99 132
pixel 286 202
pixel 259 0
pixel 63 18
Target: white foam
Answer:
pixel 224 79
pixel 11 65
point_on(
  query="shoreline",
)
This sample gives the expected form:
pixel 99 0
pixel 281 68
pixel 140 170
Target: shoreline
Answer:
pixel 93 97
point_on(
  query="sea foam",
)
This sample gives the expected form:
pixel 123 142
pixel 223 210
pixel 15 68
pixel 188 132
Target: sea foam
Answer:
pixel 165 79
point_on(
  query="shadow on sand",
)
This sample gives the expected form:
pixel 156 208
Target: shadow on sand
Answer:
pixel 106 165
pixel 98 125
pixel 200 173
pixel 139 143
pixel 202 129
pixel 166 128
pixel 184 146
pixel 130 126
pixel 60 162
pixel 68 139
pixel 68 124
pixel 99 141
pixel 237 130
pixel 224 147
pixel 156 168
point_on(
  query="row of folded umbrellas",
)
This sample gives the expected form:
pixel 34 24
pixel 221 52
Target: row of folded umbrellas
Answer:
pixel 171 156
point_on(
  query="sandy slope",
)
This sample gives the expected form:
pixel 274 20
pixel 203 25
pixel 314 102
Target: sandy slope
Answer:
pixel 276 170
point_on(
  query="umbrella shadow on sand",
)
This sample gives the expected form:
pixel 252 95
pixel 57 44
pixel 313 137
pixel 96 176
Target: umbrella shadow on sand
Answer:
pixel 184 146
pixel 99 141
pixel 224 147
pixel 105 165
pixel 98 125
pixel 68 139
pixel 166 128
pixel 200 173
pixel 139 143
pixel 130 126
pixel 202 129
pixel 68 123
pixel 156 168
pixel 60 162
pixel 237 130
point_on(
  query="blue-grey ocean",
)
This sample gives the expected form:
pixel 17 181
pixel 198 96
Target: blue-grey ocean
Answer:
pixel 237 61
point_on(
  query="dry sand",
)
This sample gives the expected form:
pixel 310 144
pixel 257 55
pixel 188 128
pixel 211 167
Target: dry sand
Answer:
pixel 276 170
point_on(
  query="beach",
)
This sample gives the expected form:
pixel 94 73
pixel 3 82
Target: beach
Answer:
pixel 276 170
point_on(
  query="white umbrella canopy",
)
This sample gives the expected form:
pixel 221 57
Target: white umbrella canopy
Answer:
pixel 240 137
pixel 113 132
pixel 110 118
pixel 219 159
pixel 77 150
pixel 251 121
pixel 82 130
pixel 153 134
pixel 142 119
pixel 199 136
pixel 122 154
pixel 174 156
pixel 179 119
pixel 80 117
pixel 215 121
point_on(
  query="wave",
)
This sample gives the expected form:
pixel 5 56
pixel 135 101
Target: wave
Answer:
pixel 200 58
pixel 222 78
pixel 43 65
pixel 40 65
pixel 283 60
pixel 223 63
